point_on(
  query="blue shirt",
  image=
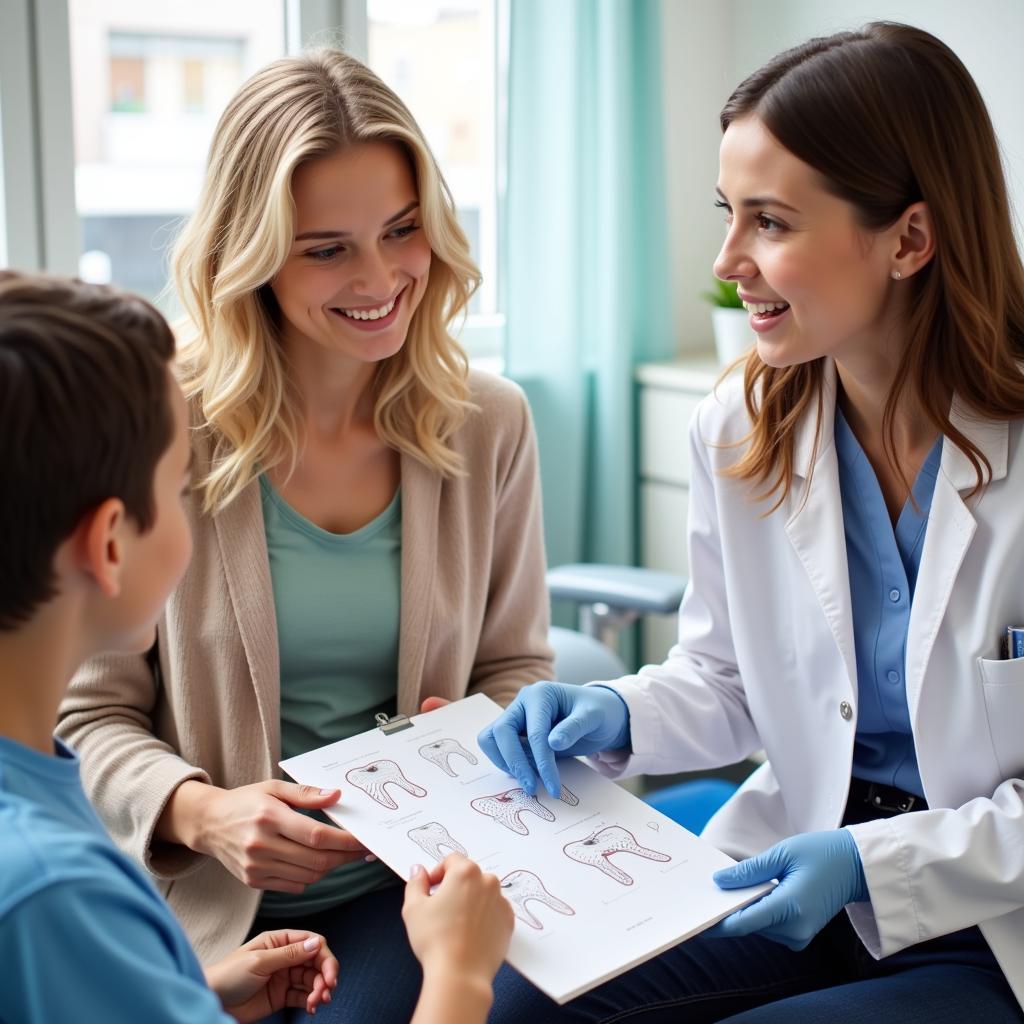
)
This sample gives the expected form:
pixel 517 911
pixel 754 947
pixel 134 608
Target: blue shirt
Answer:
pixel 83 933
pixel 883 565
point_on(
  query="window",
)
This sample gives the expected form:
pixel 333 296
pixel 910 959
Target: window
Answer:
pixel 440 57
pixel 3 194
pixel 149 82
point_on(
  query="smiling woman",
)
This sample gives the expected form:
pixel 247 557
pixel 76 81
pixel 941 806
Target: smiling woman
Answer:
pixel 366 519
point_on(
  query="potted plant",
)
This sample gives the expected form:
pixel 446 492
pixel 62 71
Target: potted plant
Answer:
pixel 729 321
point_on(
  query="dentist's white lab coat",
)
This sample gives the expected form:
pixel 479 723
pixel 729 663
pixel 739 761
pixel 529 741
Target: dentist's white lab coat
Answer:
pixel 765 659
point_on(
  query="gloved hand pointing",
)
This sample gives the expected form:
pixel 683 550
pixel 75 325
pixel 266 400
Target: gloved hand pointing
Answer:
pixel 558 720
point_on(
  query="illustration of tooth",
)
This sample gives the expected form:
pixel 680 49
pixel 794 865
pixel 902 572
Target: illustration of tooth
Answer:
pixel 599 846
pixel 431 837
pixel 439 751
pixel 567 796
pixel 506 807
pixel 519 887
pixel 373 777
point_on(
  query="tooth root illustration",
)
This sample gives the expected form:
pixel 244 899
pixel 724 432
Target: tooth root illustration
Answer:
pixel 567 796
pixel 597 849
pixel 373 777
pixel 440 751
pixel 519 887
pixel 506 807
pixel 430 838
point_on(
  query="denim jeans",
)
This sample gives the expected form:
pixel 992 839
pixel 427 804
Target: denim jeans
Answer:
pixel 755 981
pixel 751 980
pixel 748 980
pixel 379 978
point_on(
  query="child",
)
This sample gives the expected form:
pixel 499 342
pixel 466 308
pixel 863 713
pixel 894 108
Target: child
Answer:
pixel 96 456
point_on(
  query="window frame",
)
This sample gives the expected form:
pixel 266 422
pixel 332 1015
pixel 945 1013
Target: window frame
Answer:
pixel 39 218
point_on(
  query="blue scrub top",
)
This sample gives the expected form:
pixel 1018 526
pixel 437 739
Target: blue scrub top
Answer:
pixel 883 565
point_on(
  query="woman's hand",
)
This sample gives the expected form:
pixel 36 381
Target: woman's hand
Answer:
pixel 432 704
pixel 461 932
pixel 272 971
pixel 819 873
pixel 257 835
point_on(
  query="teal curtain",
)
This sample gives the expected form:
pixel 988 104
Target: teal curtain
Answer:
pixel 585 254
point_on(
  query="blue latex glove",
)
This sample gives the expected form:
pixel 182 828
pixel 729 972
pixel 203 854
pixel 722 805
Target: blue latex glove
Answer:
pixel 818 873
pixel 557 720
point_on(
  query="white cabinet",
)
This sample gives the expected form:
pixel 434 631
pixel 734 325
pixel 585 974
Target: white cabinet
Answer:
pixel 669 394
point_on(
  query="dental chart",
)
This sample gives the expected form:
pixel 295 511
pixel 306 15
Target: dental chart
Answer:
pixel 598 880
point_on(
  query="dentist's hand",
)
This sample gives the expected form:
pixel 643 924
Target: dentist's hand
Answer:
pixel 818 873
pixel 558 720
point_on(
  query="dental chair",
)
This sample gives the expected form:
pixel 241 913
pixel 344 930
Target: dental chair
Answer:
pixel 609 598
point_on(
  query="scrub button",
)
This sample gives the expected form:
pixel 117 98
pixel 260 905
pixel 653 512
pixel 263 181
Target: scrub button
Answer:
pixel 894 595
pixel 845 710
pixel 893 676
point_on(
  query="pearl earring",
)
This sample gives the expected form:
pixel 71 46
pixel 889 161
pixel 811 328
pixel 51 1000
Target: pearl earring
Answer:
pixel 896 274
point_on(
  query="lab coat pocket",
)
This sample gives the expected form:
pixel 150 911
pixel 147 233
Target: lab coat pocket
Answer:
pixel 1003 687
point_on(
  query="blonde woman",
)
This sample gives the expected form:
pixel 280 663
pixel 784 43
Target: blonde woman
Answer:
pixel 366 519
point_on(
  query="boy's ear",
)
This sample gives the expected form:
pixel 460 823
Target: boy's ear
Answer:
pixel 101 545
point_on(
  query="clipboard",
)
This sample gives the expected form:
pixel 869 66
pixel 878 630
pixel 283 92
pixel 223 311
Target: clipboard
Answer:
pixel 599 881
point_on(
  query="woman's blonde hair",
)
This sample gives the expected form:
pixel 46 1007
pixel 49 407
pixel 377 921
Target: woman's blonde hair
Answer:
pixel 231 363
pixel 889 117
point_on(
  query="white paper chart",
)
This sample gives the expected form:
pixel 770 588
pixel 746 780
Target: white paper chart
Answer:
pixel 599 881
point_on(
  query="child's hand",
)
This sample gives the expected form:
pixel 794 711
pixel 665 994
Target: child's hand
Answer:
pixel 274 970
pixel 464 927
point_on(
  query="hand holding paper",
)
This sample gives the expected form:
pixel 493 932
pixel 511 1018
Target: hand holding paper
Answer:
pixel 818 873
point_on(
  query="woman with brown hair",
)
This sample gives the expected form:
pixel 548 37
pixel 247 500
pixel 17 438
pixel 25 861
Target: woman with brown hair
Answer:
pixel 855 537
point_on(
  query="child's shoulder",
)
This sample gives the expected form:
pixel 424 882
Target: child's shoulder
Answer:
pixel 39 852
pixel 32 849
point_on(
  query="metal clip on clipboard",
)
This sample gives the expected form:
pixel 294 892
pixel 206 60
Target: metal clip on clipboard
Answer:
pixel 396 723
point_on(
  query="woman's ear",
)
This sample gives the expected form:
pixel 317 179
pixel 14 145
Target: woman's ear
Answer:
pixel 915 240
pixel 102 543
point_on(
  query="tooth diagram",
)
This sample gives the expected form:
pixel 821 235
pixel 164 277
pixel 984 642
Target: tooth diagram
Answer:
pixel 522 886
pixel 506 807
pixel 373 777
pixel 440 751
pixel 599 846
pixel 431 837
pixel 567 796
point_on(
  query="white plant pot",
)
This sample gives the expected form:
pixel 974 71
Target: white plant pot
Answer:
pixel 733 335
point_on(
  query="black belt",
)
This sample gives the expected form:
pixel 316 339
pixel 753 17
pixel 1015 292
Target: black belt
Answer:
pixel 884 798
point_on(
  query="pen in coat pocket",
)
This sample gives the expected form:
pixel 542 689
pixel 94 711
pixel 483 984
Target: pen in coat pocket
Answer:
pixel 1013 642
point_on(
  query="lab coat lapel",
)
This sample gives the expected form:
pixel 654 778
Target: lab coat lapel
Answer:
pixel 951 528
pixel 815 527
pixel 421 500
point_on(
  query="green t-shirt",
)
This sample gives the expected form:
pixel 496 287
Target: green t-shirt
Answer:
pixel 337 598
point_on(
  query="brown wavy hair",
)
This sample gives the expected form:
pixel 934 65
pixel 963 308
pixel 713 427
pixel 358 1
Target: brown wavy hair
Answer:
pixel 889 116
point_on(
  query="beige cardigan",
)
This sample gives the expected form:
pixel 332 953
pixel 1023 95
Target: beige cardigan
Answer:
pixel 474 618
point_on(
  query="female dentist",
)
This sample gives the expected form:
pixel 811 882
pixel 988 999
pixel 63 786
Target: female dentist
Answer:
pixel 855 538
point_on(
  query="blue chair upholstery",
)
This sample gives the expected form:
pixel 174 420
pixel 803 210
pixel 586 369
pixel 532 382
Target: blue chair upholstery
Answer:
pixel 692 803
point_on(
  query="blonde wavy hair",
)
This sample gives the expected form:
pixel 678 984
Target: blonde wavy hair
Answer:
pixel 230 361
